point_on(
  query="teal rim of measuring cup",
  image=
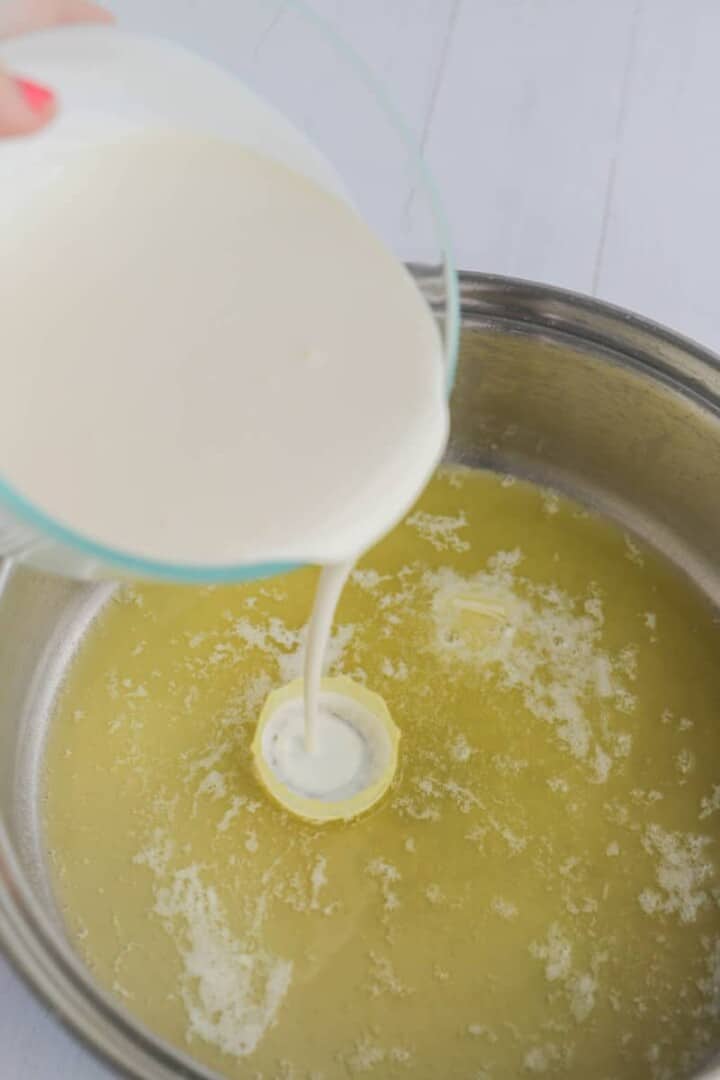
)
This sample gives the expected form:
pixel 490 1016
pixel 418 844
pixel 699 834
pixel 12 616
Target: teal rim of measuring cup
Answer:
pixel 193 574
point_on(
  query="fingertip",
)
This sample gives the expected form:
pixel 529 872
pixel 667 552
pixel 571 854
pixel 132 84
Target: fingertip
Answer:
pixel 102 15
pixel 83 11
pixel 37 97
pixel 25 106
pixel 27 16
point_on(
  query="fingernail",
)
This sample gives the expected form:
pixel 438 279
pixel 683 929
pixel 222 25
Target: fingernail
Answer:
pixel 36 96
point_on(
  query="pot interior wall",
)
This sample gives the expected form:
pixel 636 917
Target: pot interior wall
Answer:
pixel 601 427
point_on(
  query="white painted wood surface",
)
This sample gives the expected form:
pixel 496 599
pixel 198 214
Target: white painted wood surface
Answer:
pixel 574 142
pixel 662 238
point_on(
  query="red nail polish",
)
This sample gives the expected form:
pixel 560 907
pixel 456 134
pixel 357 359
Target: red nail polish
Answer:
pixel 37 97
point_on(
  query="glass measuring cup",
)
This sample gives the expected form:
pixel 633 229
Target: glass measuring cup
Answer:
pixel 111 82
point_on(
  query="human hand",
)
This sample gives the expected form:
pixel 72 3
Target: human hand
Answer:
pixel 25 106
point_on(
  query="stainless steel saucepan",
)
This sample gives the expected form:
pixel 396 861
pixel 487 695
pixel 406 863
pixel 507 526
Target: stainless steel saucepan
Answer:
pixel 617 412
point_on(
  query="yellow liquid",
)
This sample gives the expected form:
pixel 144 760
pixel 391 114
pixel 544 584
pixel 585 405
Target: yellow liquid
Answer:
pixel 539 890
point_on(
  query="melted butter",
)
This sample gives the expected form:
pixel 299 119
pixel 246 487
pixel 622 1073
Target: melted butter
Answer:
pixel 538 892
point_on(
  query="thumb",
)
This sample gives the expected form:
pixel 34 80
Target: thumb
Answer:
pixel 24 106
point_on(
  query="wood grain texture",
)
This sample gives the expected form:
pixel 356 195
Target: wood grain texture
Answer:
pixel 663 224
pixel 297 67
pixel 399 39
pixel 524 130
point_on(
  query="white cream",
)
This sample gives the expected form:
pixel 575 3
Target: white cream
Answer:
pixel 352 749
pixel 208 359
pixel 330 585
